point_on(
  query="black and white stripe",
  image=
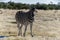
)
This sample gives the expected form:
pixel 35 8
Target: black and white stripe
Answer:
pixel 25 18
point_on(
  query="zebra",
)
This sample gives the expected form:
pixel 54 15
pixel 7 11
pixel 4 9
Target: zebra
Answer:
pixel 24 18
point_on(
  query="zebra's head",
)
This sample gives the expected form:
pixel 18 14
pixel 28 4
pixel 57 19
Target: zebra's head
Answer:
pixel 31 17
pixel 32 9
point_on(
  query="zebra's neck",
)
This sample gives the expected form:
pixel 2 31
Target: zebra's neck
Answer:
pixel 31 11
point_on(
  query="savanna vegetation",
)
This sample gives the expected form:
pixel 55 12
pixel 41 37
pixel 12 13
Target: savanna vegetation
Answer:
pixel 12 5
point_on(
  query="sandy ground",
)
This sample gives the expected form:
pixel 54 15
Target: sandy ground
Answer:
pixel 46 25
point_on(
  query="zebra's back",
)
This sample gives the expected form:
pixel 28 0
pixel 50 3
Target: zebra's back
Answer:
pixel 21 17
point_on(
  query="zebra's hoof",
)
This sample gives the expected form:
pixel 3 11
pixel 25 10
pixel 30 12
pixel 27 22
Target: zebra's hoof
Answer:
pixel 18 34
pixel 32 36
pixel 23 35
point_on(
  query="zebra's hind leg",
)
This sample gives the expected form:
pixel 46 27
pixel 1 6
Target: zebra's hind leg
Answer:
pixel 19 29
pixel 25 30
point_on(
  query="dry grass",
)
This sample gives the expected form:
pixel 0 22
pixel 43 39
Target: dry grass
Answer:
pixel 46 25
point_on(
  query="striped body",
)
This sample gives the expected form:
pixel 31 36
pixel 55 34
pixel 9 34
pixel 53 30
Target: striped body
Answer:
pixel 24 18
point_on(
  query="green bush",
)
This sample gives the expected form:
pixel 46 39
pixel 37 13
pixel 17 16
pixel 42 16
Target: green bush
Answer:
pixel 12 5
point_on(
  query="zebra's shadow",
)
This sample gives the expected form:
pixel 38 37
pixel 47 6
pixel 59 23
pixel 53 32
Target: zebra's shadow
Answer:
pixel 13 22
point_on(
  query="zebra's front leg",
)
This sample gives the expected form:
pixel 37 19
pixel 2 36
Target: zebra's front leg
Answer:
pixel 31 29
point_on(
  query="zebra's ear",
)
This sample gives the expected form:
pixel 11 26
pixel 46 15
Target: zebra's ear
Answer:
pixel 32 8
